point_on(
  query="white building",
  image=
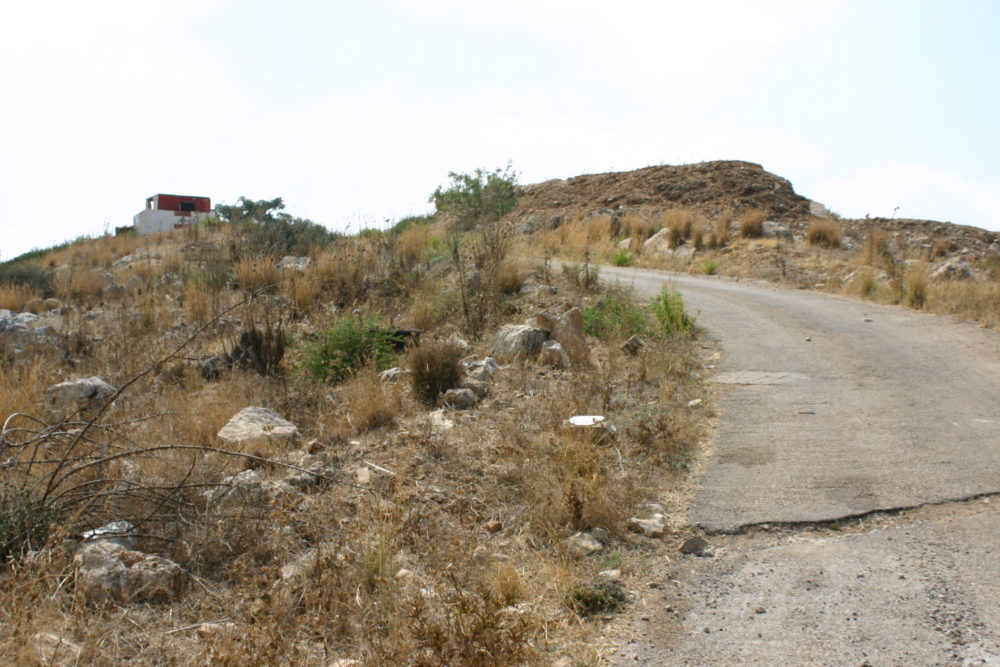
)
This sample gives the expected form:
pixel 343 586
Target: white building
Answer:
pixel 166 212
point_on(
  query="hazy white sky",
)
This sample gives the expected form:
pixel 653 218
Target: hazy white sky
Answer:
pixel 355 112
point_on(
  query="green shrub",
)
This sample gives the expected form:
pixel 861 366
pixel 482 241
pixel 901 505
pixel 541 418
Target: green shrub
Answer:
pixel 26 274
pixel 434 369
pixel 670 314
pixel 616 315
pixel 709 267
pixel 350 343
pixel 25 523
pixel 482 196
pixel 622 257
pixel 408 222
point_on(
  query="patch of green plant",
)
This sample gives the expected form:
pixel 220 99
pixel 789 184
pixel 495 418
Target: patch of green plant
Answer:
pixel 410 221
pixel 482 196
pixel 669 311
pixel 601 596
pixel 347 345
pixel 616 315
pixel 26 274
pixel 268 229
pixel 38 253
pixel 709 267
pixel 25 523
pixel 622 257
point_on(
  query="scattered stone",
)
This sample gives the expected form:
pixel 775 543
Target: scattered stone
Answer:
pixel 403 573
pixel 695 545
pixel 481 369
pixel 289 262
pixel 600 535
pixel 393 374
pixel 86 397
pixel 51 649
pixel 633 345
pixel 247 487
pixel 553 354
pixel 953 269
pixel 346 662
pixel 439 422
pixel 492 526
pixel 583 544
pixel 107 571
pixel 518 341
pixel 255 426
pixel 694 403
pixel 476 386
pixel 123 533
pixel 460 399
pixel 612 575
pixel 652 527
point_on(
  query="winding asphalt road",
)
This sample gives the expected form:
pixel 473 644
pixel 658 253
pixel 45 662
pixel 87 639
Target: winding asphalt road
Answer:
pixel 835 408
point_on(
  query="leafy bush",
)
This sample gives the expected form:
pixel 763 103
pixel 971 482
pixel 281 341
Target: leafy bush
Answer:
pixel 26 274
pixel 434 369
pixel 670 314
pixel 409 222
pixel 622 257
pixel 266 228
pixel 615 316
pixel 709 267
pixel 25 523
pixel 350 343
pixel 482 196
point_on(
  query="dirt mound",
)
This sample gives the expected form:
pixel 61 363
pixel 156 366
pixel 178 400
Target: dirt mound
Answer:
pixel 708 187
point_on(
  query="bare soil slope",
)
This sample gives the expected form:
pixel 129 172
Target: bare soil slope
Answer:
pixel 710 187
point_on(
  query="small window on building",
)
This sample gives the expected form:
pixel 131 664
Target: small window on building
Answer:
pixel 187 206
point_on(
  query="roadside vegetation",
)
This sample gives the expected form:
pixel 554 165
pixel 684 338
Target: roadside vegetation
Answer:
pixel 394 528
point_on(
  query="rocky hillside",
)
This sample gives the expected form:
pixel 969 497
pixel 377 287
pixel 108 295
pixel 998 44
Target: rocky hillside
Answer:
pixel 736 219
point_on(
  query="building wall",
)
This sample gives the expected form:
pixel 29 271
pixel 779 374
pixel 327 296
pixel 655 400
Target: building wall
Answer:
pixel 151 221
pixel 173 202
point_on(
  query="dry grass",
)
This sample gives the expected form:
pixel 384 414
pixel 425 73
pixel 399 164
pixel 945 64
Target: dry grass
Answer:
pixel 720 230
pixel 372 404
pixel 679 223
pixel 79 283
pixel 256 273
pixel 916 285
pixel 824 233
pixel 413 245
pixel 15 297
pixel 397 566
pixel 875 248
pixel 752 223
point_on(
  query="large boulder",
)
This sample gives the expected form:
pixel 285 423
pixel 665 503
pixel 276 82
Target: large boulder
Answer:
pixel 109 572
pixel 255 427
pixel 86 396
pixel 518 341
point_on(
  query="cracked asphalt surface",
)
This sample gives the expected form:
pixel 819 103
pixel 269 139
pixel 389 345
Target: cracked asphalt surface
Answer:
pixel 832 408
